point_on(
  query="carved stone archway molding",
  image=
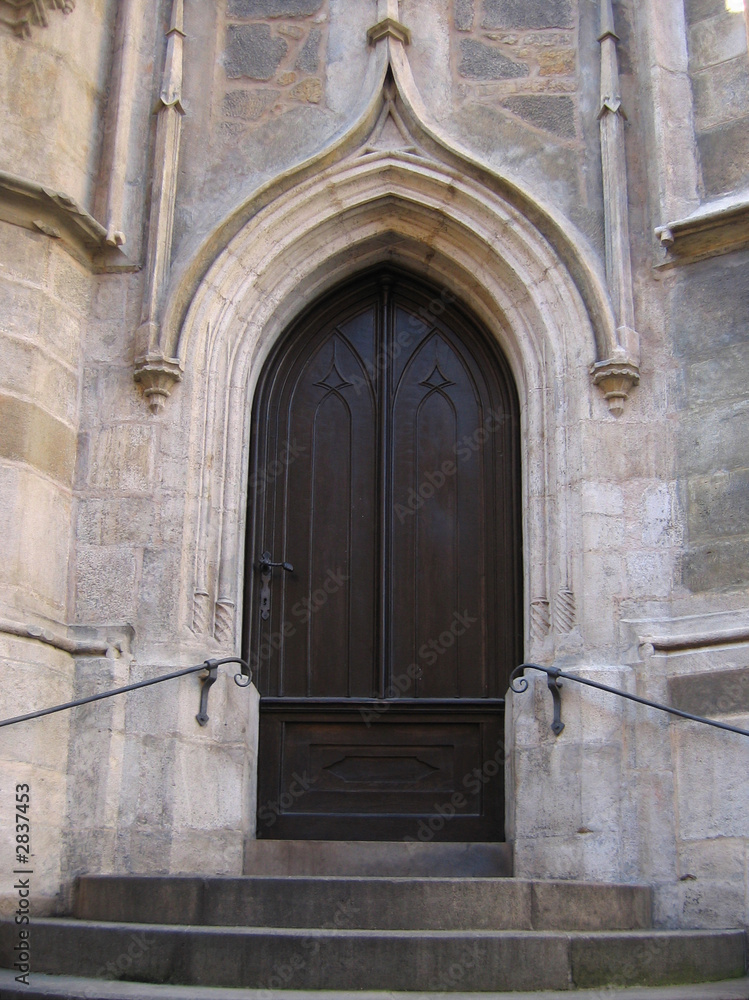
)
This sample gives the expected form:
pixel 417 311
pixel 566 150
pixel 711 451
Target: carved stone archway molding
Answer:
pixel 392 190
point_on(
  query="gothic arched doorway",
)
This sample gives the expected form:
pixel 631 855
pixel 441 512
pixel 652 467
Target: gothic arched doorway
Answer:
pixel 385 470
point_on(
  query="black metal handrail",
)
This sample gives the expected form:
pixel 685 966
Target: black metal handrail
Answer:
pixel 241 680
pixel 552 679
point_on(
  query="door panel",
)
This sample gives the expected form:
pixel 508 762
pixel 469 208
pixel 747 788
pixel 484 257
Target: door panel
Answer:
pixel 386 446
pixel 421 772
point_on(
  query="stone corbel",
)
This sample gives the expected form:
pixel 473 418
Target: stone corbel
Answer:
pixel 158 376
pixel 615 379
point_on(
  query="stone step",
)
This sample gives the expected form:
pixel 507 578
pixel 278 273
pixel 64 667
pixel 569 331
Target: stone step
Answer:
pixel 364 902
pixel 314 959
pixel 74 988
pixel 370 857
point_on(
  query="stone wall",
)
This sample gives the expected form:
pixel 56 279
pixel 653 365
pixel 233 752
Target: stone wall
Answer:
pixel 633 523
pixel 719 69
pixel 52 82
pixel 709 305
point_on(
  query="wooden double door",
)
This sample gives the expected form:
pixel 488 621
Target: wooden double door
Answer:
pixel 385 474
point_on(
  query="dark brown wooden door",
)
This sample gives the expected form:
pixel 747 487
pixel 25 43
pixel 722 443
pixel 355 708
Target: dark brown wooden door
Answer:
pixel 385 471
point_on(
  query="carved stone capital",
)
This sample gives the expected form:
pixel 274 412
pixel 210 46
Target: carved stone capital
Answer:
pixel 388 27
pixel 615 379
pixel 158 376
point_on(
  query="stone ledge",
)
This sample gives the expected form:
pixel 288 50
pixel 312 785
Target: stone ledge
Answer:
pixel 715 228
pixel 33 206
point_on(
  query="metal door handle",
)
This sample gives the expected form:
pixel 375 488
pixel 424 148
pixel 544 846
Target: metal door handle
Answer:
pixel 266 565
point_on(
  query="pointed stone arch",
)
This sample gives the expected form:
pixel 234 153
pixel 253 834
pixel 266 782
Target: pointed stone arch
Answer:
pixel 393 190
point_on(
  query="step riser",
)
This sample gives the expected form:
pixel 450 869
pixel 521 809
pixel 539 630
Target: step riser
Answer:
pixel 383 859
pixel 438 904
pixel 316 960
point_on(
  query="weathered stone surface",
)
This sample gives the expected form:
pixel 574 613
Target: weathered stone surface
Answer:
pixel 719 505
pixel 698 10
pixel 714 296
pixel 464 14
pixel 30 434
pixel 309 57
pixel 252 51
pixel 249 105
pixel 711 693
pixel 273 8
pixel 716 40
pixel 724 154
pixel 716 565
pixel 483 62
pixel 528 14
pixel 553 114
pixel 557 62
pixel 721 93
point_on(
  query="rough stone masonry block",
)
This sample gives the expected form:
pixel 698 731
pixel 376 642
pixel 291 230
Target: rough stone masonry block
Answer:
pixel 721 93
pixel 252 51
pixel 309 58
pixel 717 565
pixel 698 10
pixel 553 114
pixel 717 39
pixel 713 296
pixel 724 153
pixel 483 62
pixel 719 505
pixel 528 14
pixel 464 14
pixel 273 8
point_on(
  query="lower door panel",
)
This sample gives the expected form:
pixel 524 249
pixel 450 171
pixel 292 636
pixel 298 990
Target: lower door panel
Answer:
pixel 346 770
